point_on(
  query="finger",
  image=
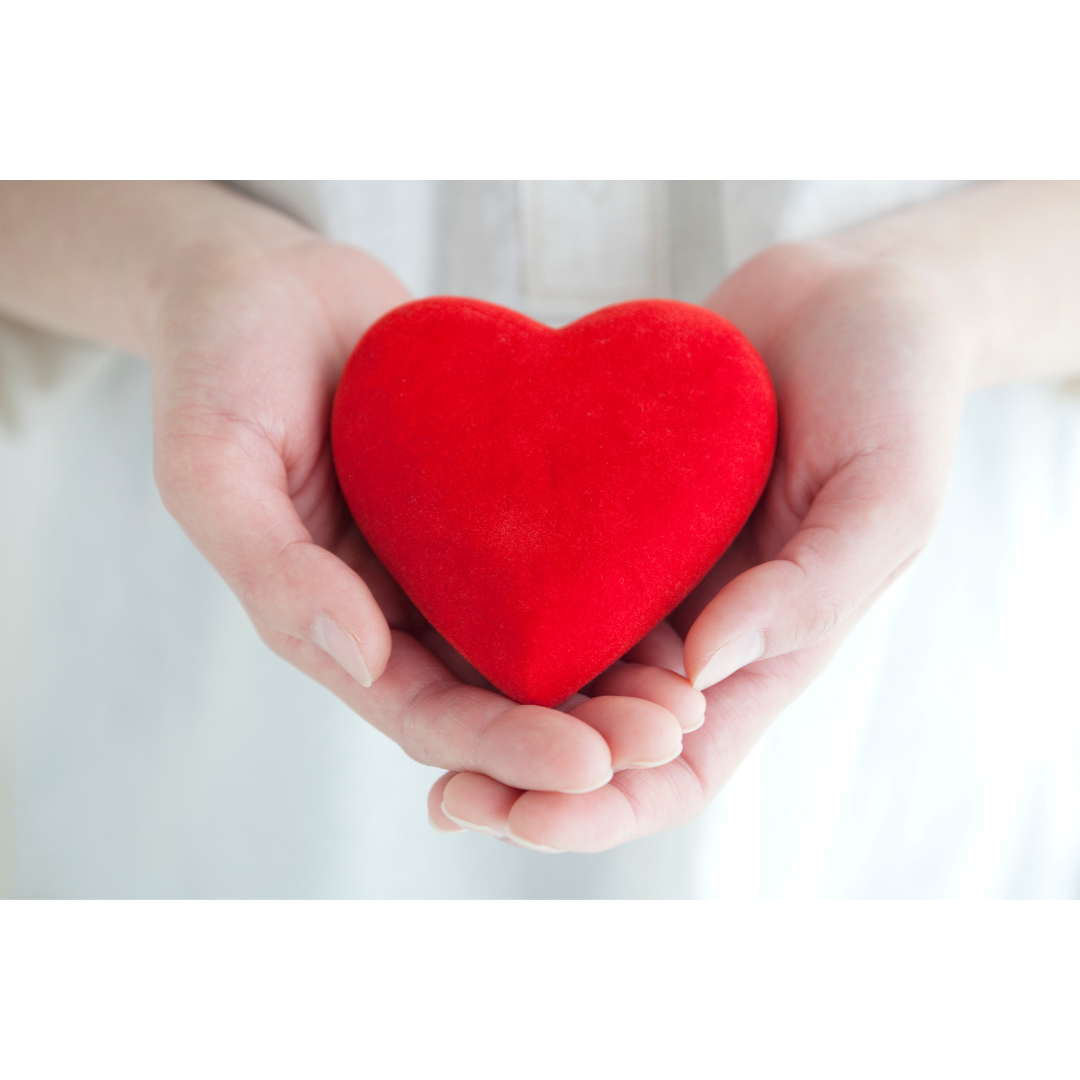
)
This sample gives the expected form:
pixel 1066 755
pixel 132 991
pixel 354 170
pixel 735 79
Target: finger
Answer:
pixel 476 803
pixel 545 821
pixel 655 684
pixel 660 647
pixel 440 721
pixel 639 733
pixel 549 822
pixel 861 531
pixel 227 488
pixel 641 802
pixel 436 818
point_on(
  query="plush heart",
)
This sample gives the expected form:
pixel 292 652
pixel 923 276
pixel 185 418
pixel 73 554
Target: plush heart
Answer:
pixel 545 497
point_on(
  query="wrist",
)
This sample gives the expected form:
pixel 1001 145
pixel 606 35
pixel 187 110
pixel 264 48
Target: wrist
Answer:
pixel 932 299
pixel 786 283
pixel 223 239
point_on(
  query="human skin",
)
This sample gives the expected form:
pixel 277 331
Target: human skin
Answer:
pixel 872 338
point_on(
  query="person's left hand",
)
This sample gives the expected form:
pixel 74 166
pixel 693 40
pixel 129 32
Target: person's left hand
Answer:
pixel 869 370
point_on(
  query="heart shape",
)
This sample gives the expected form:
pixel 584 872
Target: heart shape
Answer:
pixel 545 497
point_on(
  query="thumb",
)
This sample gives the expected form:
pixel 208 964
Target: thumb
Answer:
pixel 230 495
pixel 865 526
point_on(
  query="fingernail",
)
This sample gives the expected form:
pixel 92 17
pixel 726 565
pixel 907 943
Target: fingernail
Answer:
pixel 695 725
pixel 439 829
pixel 334 639
pixel 472 826
pixel 529 845
pixel 650 764
pixel 586 790
pixel 730 657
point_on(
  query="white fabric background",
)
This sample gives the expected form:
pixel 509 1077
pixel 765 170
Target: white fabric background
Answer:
pixel 153 746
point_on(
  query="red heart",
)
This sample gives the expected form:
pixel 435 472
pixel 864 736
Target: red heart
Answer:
pixel 545 497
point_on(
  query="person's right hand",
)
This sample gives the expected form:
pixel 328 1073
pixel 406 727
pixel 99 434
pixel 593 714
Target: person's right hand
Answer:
pixel 249 349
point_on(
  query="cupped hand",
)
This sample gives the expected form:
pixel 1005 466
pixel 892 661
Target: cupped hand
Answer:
pixel 870 367
pixel 249 347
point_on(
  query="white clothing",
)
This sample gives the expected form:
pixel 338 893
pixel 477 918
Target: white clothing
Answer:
pixel 154 747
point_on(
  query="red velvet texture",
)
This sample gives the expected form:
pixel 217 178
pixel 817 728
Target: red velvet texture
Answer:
pixel 545 497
